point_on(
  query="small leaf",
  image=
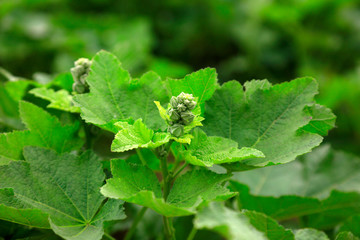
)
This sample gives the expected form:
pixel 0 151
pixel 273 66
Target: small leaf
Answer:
pixel 322 120
pixel 137 136
pixel 61 99
pixel 207 151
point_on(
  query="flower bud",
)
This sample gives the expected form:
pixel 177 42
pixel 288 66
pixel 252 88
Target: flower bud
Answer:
pixel 173 102
pixel 79 88
pixel 177 129
pixel 79 73
pixel 181 107
pixel 174 115
pixel 187 117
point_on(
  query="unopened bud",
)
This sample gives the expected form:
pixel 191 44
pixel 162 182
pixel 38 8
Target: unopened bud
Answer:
pixel 187 117
pixel 177 130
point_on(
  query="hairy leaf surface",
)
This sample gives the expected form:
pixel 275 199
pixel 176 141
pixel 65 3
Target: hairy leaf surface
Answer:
pixel 61 99
pixel 65 188
pixel 207 151
pixel 138 184
pixel 114 96
pixel 44 130
pixel 137 136
pixel 267 118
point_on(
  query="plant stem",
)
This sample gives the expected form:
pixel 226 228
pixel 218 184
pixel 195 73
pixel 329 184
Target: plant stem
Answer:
pixel 179 170
pixel 169 234
pixel 108 236
pixel 135 223
pixel 141 157
pixel 192 234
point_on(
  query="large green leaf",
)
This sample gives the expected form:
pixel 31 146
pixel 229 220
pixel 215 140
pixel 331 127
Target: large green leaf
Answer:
pixel 201 84
pixel 243 225
pixel 266 117
pixel 207 151
pixel 114 96
pixel 137 136
pixel 60 99
pixel 62 188
pixel 44 130
pixel 138 184
pixel 314 187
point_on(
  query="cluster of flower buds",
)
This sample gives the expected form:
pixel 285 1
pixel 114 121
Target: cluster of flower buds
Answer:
pixel 79 73
pixel 180 113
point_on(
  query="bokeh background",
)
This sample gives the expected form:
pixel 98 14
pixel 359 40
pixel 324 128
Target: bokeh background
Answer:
pixel 243 39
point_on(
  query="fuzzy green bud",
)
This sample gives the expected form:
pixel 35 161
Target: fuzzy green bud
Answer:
pixel 177 129
pixel 174 115
pixel 187 117
pixel 181 107
pixel 173 102
pixel 79 73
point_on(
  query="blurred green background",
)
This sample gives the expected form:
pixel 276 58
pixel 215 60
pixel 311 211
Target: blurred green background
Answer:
pixel 245 39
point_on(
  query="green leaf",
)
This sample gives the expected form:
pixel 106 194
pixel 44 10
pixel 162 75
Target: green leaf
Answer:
pixel 322 119
pixel 266 118
pixel 44 130
pixel 201 84
pixel 10 95
pixel 114 96
pixel 243 225
pixel 14 210
pixel 315 187
pixel 138 184
pixel 61 99
pixel 137 136
pixel 310 234
pixel 43 183
pixel 207 151
pixel 346 236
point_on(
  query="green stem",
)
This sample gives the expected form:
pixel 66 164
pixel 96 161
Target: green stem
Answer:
pixel 135 223
pixel 192 234
pixel 141 157
pixel 168 228
pixel 108 236
pixel 179 170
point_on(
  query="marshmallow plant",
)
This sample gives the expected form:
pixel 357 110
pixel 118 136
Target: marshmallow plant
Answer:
pixel 181 149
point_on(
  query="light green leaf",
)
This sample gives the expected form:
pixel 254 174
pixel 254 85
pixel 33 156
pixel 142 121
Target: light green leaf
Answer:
pixel 243 225
pixel 114 96
pixel 138 184
pixel 207 151
pixel 137 136
pixel 310 234
pixel 72 201
pixel 44 130
pixel 266 118
pixel 61 99
pixel 322 119
pixel 201 84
